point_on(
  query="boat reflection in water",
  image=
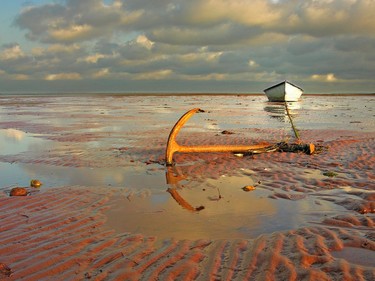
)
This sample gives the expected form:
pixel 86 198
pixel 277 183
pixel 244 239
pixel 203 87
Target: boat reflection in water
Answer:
pixel 278 111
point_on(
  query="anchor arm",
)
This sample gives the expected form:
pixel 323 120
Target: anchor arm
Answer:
pixel 222 148
pixel 172 145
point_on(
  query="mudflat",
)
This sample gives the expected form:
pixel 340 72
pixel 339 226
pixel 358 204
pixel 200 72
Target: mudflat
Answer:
pixel 110 209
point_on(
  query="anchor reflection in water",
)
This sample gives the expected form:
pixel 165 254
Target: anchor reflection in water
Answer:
pixel 173 177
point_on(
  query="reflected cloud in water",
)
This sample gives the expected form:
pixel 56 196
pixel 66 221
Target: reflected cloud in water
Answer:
pixel 222 210
pixel 55 176
pixel 13 134
pixel 14 141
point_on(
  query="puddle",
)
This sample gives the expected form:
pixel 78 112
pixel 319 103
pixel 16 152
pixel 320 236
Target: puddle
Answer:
pixel 356 255
pixel 229 212
pixel 55 176
pixel 31 146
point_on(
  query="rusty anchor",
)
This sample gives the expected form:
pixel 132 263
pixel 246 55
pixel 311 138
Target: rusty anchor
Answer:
pixel 173 146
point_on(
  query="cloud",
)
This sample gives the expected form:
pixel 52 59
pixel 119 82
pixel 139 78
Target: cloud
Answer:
pixel 92 58
pixel 212 12
pixel 102 73
pixel 177 21
pixel 63 76
pixel 15 77
pixel 144 41
pixel 74 21
pixel 212 40
pixel 154 75
pixel 252 63
pixel 330 77
pixel 11 52
pixel 321 18
pixel 72 33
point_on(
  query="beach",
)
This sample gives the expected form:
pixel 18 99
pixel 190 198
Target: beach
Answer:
pixel 110 209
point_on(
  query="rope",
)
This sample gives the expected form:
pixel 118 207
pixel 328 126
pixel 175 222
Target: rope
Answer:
pixel 291 121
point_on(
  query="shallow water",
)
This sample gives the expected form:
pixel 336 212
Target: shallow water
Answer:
pixel 359 256
pixel 118 141
pixel 229 212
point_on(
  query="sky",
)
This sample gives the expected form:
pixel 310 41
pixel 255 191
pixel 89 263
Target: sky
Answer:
pixel 219 46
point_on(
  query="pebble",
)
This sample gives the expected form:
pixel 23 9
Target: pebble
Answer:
pixel 18 191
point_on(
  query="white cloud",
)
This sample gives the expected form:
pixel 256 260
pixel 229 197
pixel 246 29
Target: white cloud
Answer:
pixel 154 75
pixel 11 53
pixel 71 33
pixel 63 76
pixel 59 48
pixel 255 12
pixel 252 63
pixel 102 73
pixel 92 58
pixel 330 77
pixel 144 41
pixel 206 77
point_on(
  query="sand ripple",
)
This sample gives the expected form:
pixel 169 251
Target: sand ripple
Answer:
pixel 61 233
pixel 58 235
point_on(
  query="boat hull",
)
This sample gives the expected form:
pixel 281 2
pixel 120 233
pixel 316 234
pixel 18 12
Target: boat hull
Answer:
pixel 284 91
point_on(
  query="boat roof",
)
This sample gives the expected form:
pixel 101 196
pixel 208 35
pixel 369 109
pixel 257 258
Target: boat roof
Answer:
pixel 285 81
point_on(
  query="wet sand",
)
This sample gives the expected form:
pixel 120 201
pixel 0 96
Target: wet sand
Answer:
pixel 106 210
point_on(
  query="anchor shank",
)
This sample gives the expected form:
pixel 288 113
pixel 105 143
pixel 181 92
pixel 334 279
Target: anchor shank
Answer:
pixel 220 148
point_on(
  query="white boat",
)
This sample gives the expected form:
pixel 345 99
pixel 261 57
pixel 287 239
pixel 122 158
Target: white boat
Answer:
pixel 283 91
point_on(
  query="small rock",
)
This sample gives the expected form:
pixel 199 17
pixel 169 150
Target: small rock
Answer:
pixel 18 191
pixel 248 188
pixel 35 183
pixel 200 208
